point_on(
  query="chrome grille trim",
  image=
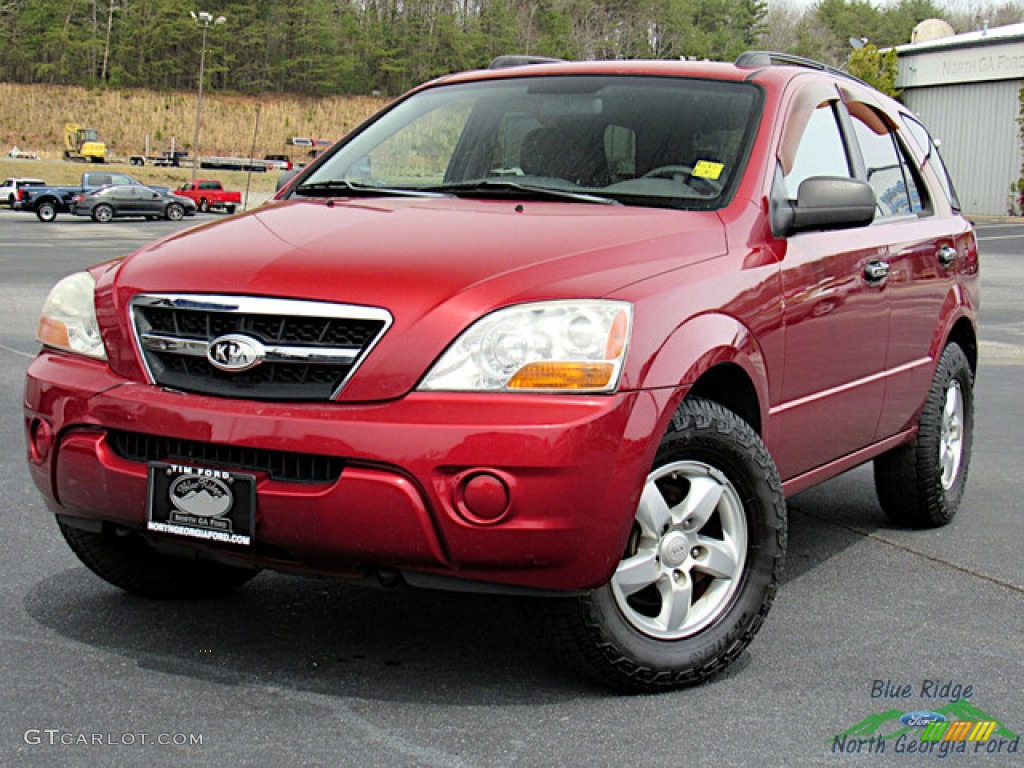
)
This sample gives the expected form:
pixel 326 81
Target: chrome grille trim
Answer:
pixel 278 354
pixel 306 340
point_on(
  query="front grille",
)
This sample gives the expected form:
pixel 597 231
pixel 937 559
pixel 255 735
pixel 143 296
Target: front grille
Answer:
pixel 305 350
pixel 279 465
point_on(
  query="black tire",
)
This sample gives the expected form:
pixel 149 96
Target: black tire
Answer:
pixel 175 212
pixel 124 559
pixel 921 484
pixel 204 205
pixel 102 213
pixel 46 211
pixel 229 208
pixel 725 559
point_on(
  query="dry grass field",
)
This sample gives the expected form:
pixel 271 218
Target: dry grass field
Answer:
pixel 33 119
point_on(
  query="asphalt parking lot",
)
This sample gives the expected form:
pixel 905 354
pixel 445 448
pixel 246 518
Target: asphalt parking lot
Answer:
pixel 871 621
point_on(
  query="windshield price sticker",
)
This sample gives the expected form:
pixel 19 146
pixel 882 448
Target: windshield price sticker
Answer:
pixel 708 169
pixel 201 503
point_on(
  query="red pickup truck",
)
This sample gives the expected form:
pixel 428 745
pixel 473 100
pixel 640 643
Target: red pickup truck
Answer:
pixel 208 194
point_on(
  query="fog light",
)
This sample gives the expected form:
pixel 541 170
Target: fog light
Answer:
pixel 40 435
pixel 483 498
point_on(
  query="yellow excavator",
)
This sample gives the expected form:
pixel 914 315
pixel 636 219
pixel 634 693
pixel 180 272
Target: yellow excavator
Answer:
pixel 83 144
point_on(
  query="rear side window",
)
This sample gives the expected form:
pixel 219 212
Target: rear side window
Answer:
pixel 889 171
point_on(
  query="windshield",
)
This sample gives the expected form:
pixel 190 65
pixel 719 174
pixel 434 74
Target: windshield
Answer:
pixel 666 142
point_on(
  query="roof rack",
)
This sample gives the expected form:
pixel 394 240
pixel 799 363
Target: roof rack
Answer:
pixel 768 58
pixel 516 60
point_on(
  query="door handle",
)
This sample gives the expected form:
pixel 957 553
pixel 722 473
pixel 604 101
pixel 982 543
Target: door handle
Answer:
pixel 947 255
pixel 876 271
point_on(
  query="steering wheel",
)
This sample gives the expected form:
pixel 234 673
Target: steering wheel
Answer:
pixel 668 172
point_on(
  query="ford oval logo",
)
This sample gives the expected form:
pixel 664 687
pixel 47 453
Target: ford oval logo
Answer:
pixel 921 719
pixel 235 353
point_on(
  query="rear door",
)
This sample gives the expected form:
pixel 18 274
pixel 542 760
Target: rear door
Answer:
pixel 126 201
pixel 151 202
pixel 927 244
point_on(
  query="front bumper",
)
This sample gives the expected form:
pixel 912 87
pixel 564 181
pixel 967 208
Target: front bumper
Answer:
pixel 528 490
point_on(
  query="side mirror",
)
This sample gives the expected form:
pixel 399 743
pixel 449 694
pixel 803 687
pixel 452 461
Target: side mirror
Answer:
pixel 822 203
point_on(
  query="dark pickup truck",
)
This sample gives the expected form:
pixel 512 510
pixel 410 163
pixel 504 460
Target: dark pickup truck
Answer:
pixel 47 202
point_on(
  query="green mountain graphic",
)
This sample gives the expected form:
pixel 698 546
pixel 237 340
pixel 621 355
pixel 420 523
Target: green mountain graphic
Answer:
pixel 887 724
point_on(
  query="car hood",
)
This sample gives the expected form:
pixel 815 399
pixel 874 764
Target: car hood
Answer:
pixel 436 264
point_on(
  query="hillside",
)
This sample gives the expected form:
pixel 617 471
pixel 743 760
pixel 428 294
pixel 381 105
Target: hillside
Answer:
pixel 34 115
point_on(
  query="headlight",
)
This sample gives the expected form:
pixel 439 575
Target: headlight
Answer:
pixel 68 320
pixel 552 346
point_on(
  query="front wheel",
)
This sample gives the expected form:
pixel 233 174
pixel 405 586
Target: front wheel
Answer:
pixel 46 211
pixel 124 559
pixel 175 212
pixel 700 567
pixel 204 205
pixel 920 484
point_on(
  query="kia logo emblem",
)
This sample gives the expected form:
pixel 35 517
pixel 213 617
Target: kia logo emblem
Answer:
pixel 235 353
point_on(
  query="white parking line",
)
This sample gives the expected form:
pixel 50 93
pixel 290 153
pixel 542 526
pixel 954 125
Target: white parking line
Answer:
pixel 5 348
pixel 1001 237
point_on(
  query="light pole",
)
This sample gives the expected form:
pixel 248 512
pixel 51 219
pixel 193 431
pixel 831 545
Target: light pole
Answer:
pixel 204 20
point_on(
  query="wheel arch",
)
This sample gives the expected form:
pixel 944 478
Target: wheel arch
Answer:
pixel 965 336
pixel 715 357
pixel 729 385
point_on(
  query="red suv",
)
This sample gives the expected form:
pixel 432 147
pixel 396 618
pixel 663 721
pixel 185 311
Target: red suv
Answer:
pixel 571 329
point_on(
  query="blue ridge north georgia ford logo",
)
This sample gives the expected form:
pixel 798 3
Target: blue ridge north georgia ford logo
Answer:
pixel 235 352
pixel 202 496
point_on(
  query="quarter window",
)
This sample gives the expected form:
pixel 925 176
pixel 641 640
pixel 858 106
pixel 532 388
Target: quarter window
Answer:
pixel 931 151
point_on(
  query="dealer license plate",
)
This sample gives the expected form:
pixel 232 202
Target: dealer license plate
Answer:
pixel 201 502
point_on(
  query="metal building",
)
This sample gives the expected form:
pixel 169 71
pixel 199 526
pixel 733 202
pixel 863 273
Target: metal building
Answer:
pixel 966 88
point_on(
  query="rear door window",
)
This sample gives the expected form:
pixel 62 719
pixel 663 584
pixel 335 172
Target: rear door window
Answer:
pixel 891 174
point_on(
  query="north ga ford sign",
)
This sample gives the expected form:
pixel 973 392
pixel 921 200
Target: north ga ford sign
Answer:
pixel 943 65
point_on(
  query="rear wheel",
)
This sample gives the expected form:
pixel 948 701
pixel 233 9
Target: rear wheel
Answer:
pixel 46 211
pixel 920 484
pixel 229 208
pixel 124 559
pixel 175 212
pixel 700 568
pixel 102 213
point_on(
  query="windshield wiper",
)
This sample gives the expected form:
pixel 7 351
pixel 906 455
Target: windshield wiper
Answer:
pixel 516 189
pixel 348 188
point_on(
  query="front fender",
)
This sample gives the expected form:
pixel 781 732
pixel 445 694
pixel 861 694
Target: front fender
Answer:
pixel 700 344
